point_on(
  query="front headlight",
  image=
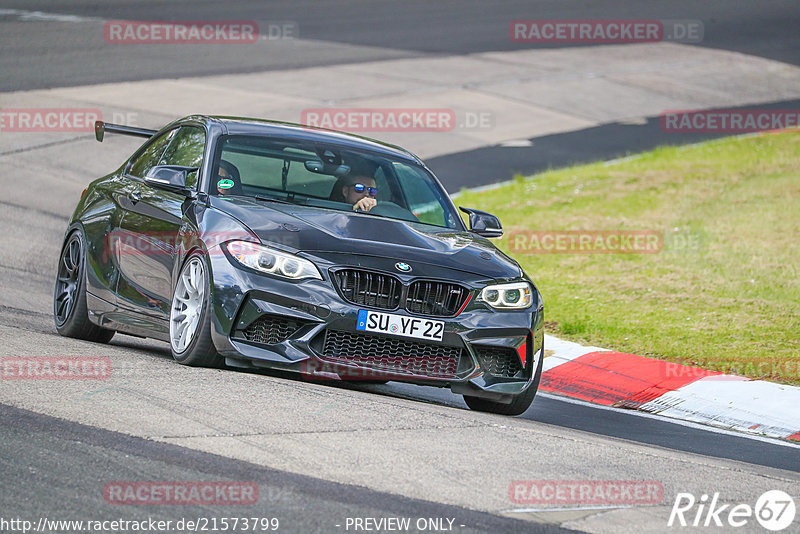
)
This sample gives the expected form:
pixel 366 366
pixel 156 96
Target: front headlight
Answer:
pixel 271 261
pixel 514 296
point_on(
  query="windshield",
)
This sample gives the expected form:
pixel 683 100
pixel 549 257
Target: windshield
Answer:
pixel 329 177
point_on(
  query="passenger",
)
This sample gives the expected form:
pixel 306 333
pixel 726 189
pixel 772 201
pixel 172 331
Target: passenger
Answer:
pixel 228 179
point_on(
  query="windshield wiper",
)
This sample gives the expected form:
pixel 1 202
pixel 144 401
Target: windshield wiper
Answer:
pixel 271 199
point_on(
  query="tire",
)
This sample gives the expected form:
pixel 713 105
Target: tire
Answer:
pixel 520 403
pixel 190 318
pixel 70 312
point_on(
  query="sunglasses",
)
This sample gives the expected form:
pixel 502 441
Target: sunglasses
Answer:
pixel 371 191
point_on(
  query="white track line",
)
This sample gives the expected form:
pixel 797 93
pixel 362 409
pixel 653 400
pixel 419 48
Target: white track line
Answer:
pixel 40 16
pixel 690 424
pixel 564 509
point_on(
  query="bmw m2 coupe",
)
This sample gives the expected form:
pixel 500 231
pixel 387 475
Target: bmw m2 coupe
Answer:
pixel 260 244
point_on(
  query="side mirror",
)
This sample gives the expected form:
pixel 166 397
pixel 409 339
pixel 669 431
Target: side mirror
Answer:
pixel 169 177
pixel 482 223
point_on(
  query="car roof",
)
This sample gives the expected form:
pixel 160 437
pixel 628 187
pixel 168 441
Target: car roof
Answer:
pixel 251 126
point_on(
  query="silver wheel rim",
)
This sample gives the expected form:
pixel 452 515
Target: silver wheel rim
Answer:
pixel 187 305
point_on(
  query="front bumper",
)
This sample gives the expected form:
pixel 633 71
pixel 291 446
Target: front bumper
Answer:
pixel 308 327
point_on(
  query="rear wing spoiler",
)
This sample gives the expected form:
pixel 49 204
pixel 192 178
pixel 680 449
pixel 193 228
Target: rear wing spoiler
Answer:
pixel 100 128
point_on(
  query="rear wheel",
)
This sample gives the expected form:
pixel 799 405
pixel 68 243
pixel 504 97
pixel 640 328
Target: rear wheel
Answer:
pixel 69 298
pixel 520 403
pixel 190 319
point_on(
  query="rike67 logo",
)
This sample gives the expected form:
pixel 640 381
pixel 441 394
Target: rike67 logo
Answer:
pixel 774 510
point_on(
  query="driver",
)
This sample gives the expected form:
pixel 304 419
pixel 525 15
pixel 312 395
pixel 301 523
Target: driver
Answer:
pixel 360 191
pixel 358 187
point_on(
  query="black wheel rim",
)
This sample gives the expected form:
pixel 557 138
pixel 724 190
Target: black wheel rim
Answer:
pixel 67 282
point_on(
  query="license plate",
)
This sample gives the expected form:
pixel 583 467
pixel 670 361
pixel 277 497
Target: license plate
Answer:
pixel 400 325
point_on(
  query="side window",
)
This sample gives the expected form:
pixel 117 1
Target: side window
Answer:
pixel 384 192
pixel 186 149
pixel 423 200
pixel 303 181
pixel 149 158
pixel 256 170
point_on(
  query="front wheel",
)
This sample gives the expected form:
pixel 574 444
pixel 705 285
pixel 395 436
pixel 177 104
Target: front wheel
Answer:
pixel 70 312
pixel 189 318
pixel 520 403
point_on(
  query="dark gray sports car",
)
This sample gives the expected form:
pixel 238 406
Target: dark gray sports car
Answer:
pixel 262 244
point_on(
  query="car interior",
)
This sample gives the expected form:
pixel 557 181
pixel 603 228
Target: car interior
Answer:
pixel 281 171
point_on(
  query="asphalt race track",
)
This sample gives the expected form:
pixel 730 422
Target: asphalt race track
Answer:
pixel 356 31
pixel 69 452
pixel 374 30
pixel 322 453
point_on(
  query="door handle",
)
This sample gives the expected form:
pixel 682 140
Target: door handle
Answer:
pixel 134 197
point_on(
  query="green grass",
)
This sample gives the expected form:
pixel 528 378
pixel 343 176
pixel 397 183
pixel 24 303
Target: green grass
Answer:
pixel 723 293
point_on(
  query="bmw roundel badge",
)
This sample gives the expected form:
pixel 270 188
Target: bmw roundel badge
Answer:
pixel 401 266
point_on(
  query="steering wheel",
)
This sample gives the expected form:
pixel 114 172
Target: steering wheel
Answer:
pixel 395 211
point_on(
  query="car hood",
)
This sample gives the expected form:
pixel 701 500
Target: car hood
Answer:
pixel 326 233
